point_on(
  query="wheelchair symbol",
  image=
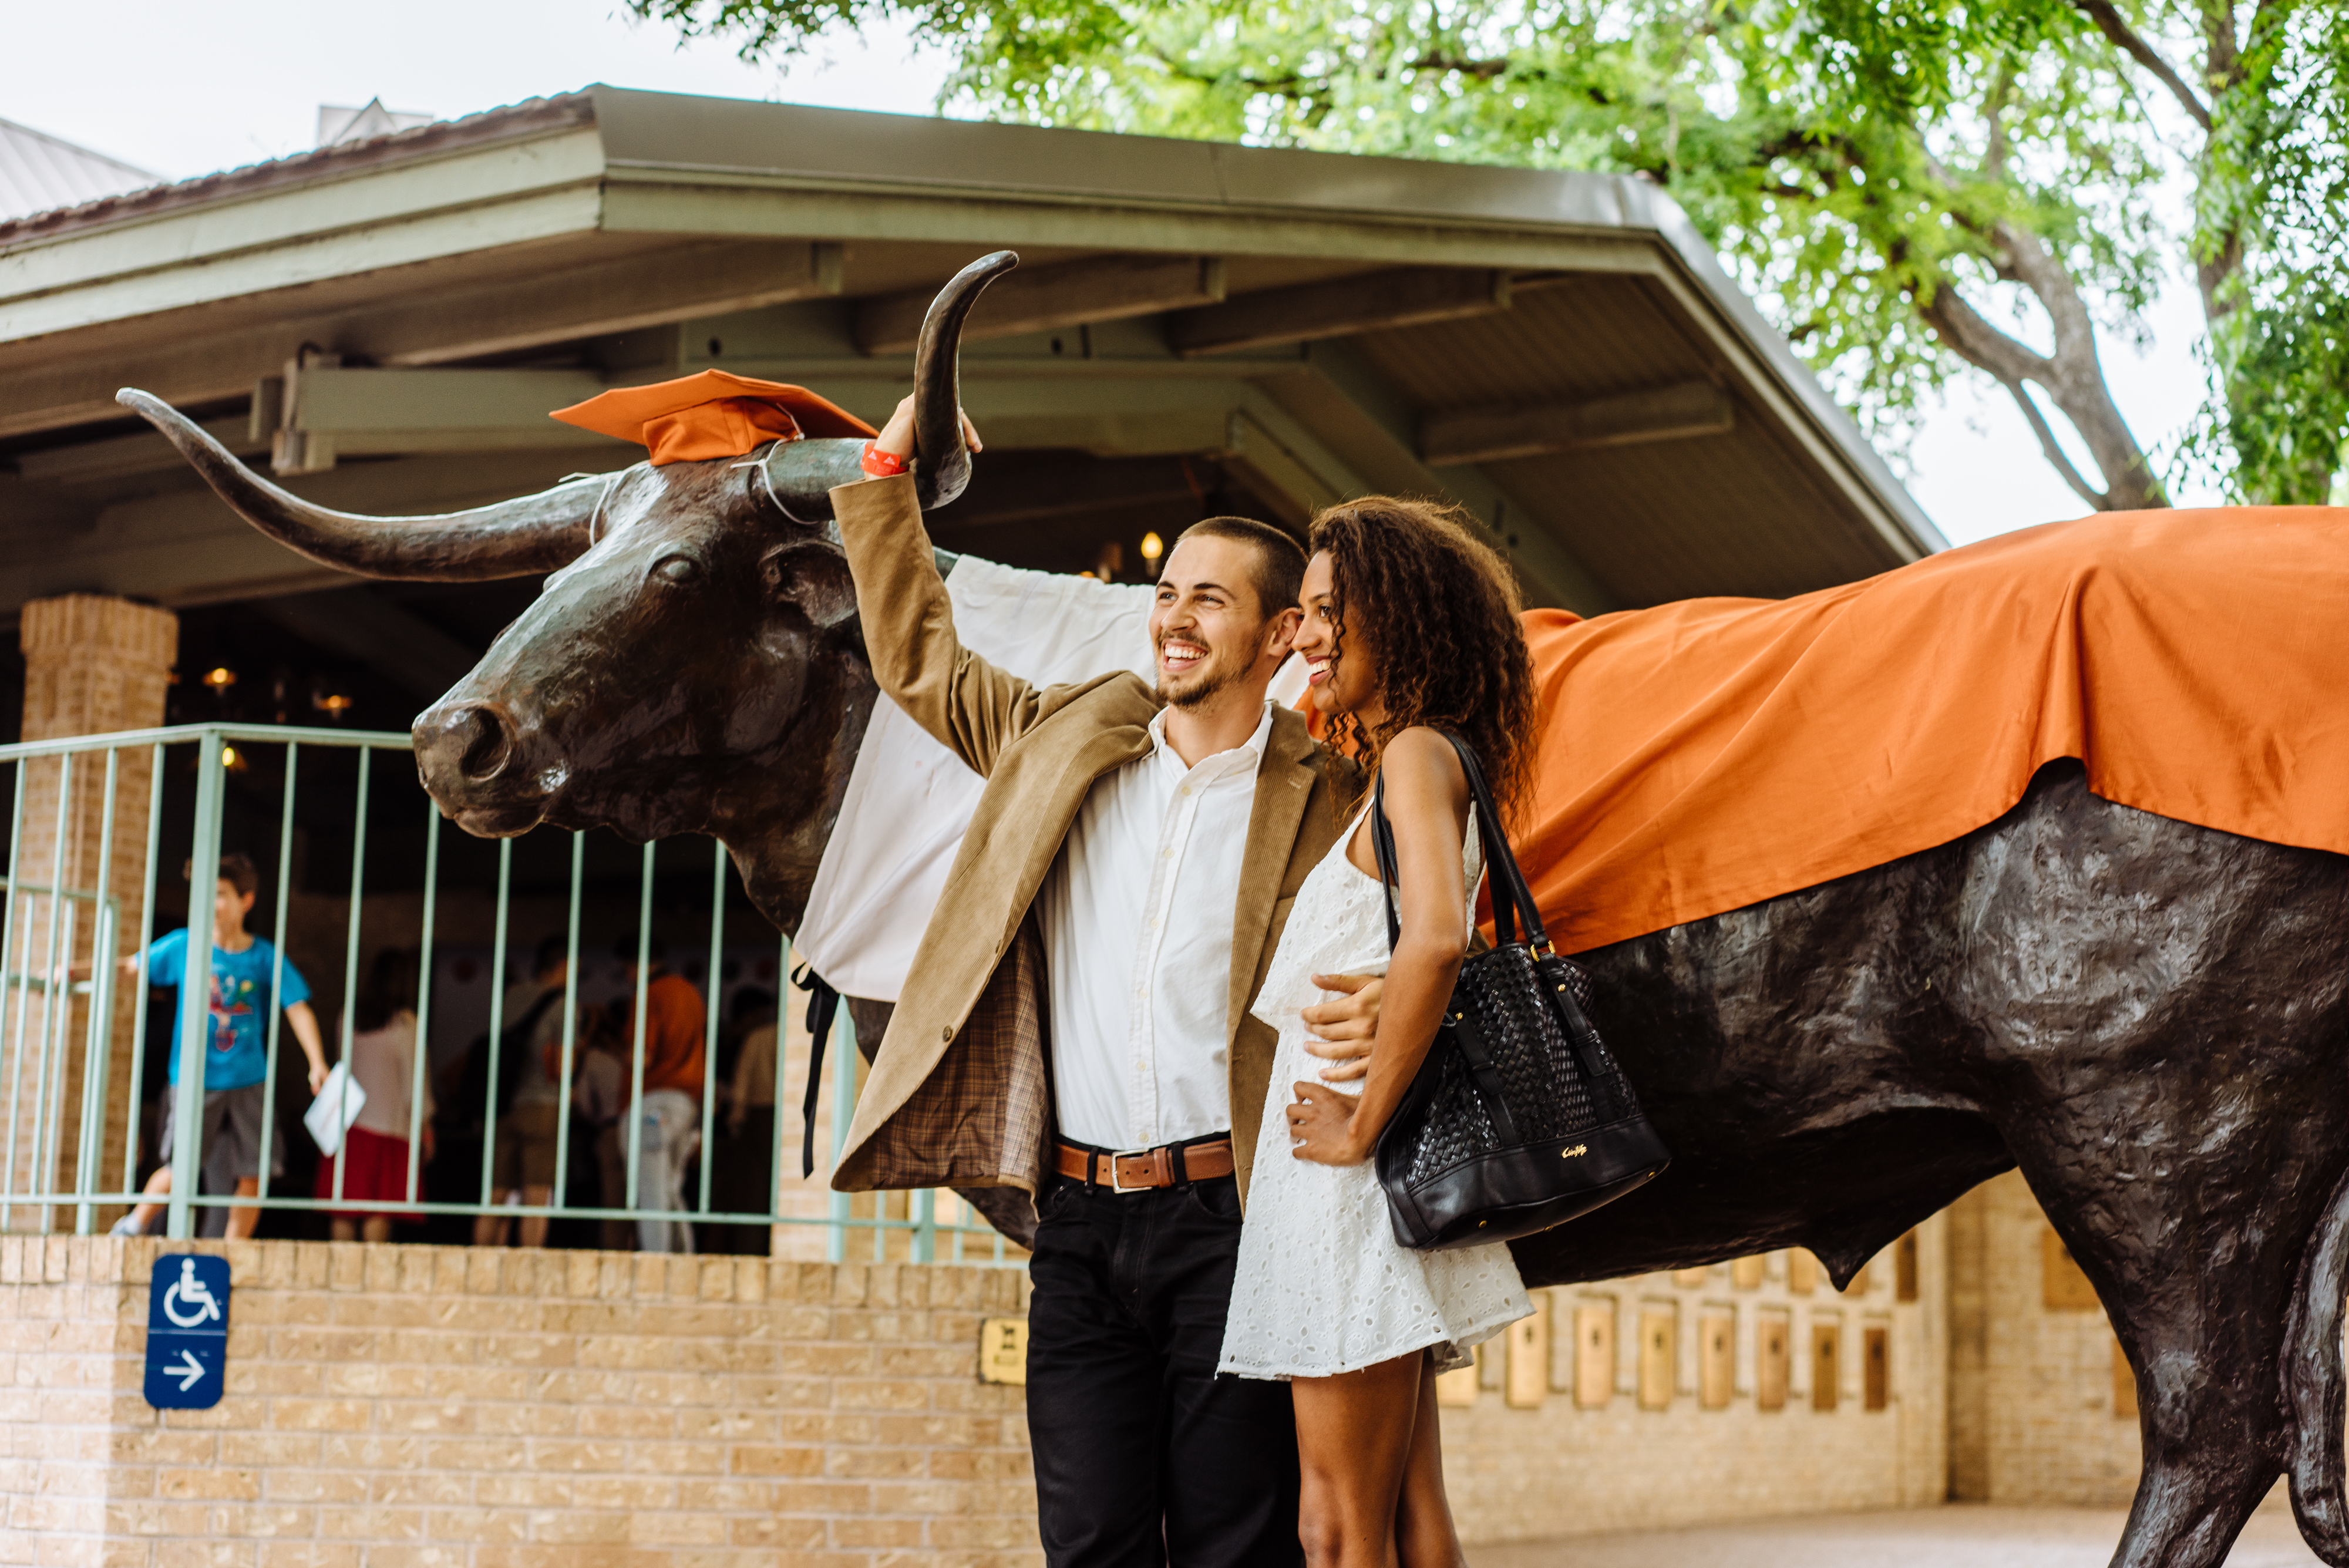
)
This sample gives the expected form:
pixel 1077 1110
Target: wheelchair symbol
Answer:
pixel 200 1301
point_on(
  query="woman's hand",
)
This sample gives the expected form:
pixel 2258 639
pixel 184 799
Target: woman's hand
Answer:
pixel 1321 1125
pixel 897 437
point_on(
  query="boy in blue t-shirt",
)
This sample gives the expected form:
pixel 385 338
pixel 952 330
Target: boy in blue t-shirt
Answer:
pixel 235 1119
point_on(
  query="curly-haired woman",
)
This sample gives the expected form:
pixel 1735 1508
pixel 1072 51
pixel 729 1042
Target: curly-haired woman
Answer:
pixel 1411 629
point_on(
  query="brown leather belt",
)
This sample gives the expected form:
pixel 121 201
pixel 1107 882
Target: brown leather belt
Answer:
pixel 1168 1164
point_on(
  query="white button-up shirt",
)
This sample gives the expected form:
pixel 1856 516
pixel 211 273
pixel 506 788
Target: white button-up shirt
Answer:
pixel 1137 918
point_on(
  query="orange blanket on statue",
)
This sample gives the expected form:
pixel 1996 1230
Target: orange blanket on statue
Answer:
pixel 1705 756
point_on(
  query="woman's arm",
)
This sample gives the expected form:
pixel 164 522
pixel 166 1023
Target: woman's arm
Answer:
pixel 1427 802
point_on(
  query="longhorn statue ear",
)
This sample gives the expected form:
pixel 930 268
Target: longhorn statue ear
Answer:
pixel 815 576
pixel 516 538
pixel 801 473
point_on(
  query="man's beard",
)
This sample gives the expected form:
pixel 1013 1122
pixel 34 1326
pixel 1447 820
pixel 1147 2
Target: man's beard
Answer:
pixel 1212 682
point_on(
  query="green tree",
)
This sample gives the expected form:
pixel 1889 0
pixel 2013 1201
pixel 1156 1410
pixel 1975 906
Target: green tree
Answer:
pixel 1911 187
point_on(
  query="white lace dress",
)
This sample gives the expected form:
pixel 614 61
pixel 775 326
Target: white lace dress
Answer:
pixel 1322 1286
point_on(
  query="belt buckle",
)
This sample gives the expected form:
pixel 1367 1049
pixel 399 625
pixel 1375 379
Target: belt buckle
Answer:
pixel 1116 1179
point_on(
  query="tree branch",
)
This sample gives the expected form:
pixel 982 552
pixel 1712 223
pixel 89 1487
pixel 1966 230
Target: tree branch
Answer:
pixel 2011 364
pixel 1977 342
pixel 1994 110
pixel 2053 452
pixel 2113 25
pixel 2073 375
pixel 1483 69
pixel 2076 372
pixel 2222 65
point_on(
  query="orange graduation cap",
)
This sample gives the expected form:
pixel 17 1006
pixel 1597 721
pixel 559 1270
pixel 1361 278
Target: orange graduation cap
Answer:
pixel 713 414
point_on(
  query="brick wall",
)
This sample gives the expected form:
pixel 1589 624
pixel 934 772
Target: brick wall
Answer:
pixel 1651 1437
pixel 452 1408
pixel 449 1408
pixel 2042 1417
pixel 397 1406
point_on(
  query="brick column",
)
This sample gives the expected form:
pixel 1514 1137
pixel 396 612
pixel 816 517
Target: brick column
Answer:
pixel 93 665
pixel 1970 1334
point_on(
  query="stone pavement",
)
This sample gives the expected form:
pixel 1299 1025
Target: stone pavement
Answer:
pixel 1962 1535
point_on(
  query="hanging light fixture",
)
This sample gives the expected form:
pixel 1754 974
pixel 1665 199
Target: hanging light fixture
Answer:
pixel 220 677
pixel 1153 547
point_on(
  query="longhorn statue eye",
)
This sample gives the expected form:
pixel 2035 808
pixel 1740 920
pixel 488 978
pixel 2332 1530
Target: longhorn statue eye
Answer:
pixel 678 569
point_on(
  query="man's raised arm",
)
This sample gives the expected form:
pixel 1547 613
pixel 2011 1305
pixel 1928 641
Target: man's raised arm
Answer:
pixel 974 709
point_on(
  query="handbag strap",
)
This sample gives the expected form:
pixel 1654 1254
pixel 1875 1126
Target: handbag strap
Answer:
pixel 1513 900
pixel 1507 885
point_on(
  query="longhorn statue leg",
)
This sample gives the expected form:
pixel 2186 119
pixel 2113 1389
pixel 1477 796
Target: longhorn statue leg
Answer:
pixel 2176 1056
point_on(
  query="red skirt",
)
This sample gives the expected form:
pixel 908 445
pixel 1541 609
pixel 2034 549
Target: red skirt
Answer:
pixel 377 1170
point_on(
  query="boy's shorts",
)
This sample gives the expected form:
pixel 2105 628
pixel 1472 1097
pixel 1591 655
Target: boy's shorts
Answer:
pixel 229 1132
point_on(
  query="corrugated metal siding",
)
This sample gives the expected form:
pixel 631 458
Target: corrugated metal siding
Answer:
pixel 1740 514
pixel 1685 519
pixel 39 173
pixel 1585 337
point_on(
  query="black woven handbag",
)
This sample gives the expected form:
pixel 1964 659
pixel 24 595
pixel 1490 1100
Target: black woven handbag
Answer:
pixel 1519 1118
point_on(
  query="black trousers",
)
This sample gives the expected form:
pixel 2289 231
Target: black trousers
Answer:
pixel 1143 1456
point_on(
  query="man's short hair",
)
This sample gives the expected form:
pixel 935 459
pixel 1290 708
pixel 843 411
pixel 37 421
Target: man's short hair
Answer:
pixel 236 869
pixel 1279 572
pixel 553 951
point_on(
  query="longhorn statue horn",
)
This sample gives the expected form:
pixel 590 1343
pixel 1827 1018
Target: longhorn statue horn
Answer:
pixel 801 473
pixel 516 538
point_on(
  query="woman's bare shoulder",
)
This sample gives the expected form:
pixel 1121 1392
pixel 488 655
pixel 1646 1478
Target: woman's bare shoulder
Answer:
pixel 1421 758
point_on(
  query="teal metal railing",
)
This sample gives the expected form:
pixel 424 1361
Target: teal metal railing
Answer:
pixel 61 945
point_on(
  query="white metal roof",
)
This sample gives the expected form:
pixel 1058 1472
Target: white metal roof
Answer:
pixel 40 172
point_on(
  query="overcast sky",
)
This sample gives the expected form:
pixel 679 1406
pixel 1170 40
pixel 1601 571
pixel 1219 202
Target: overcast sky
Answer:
pixel 187 86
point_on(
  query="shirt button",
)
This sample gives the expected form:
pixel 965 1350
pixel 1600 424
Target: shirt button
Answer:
pixel 1186 789
pixel 947 1032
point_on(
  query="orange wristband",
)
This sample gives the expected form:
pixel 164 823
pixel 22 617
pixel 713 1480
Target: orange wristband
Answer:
pixel 880 464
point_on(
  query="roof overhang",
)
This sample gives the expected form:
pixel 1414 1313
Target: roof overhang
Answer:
pixel 1559 352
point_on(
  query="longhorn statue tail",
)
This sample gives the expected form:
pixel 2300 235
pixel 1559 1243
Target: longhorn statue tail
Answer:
pixel 2314 1390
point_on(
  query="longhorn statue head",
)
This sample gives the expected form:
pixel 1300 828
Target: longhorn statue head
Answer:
pixel 694 663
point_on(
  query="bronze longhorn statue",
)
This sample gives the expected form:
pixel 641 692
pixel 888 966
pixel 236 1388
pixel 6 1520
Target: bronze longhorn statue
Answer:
pixel 1829 1067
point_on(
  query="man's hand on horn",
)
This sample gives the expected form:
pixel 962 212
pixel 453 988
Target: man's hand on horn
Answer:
pixel 897 437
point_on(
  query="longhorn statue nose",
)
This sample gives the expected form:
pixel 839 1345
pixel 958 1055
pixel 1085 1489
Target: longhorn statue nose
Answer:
pixel 460 746
pixel 487 768
pixel 484 742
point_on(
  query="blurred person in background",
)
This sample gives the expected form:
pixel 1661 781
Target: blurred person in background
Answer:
pixel 234 1129
pixel 528 1100
pixel 599 1097
pixel 669 1113
pixel 743 1181
pixel 375 1154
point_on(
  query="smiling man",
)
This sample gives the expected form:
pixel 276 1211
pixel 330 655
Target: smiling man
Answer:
pixel 1123 883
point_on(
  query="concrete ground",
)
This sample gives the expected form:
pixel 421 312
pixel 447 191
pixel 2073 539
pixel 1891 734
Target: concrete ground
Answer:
pixel 1962 1535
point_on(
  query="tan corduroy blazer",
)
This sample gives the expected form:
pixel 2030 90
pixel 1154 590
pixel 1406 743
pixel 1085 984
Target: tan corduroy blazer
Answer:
pixel 959 1094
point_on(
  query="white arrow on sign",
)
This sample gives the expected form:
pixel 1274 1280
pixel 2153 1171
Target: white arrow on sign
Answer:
pixel 190 1374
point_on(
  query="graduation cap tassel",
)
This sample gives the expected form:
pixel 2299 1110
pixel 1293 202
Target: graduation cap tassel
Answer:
pixel 824 1003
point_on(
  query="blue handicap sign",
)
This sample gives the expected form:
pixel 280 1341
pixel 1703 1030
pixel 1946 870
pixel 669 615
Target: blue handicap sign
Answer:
pixel 187 1332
